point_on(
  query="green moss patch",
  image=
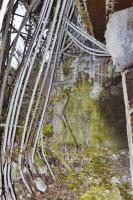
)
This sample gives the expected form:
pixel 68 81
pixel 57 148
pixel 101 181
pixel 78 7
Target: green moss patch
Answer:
pixel 101 193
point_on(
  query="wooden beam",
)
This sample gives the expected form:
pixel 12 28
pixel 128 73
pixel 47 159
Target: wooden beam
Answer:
pixel 97 11
pixel 128 121
pixel 123 4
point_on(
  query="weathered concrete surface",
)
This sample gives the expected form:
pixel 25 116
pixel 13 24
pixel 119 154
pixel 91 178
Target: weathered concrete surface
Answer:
pixel 95 117
pixel 119 38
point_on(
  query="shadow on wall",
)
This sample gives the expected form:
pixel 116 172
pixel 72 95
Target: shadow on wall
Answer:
pixel 97 10
pixel 122 4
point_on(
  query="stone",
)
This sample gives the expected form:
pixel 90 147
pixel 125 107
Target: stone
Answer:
pixel 32 168
pixel 123 152
pixel 115 180
pixel 119 38
pixel 100 193
pixel 21 197
pixel 29 195
pixel 40 185
pixel 114 157
pixel 42 169
pixel 130 193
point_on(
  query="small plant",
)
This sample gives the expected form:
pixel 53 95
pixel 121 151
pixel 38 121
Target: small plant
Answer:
pixel 48 130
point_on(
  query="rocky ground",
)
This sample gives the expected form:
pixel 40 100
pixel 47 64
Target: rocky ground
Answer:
pixel 85 174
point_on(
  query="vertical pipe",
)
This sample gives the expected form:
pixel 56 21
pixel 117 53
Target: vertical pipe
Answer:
pixel 128 120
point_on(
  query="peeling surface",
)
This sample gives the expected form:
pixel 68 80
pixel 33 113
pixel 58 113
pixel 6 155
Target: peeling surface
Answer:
pixel 119 38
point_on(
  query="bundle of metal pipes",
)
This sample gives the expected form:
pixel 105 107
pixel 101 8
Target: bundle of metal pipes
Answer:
pixel 57 17
pixel 100 49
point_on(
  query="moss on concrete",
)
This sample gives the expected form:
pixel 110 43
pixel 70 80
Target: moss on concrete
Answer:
pixel 48 130
pixel 89 125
